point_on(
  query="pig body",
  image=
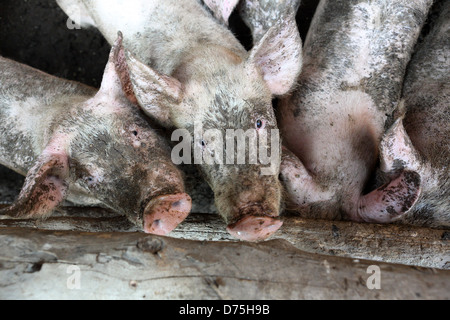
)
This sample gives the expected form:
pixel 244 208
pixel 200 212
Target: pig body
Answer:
pixel 355 58
pixel 212 82
pixel 87 146
pixel 420 139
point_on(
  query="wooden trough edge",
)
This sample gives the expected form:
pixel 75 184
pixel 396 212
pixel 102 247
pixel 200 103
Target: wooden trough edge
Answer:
pixel 46 264
pixel 399 244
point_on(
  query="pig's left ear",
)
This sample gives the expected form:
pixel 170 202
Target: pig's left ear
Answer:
pixel 278 56
pixel 116 79
pixel 46 185
pixel 222 9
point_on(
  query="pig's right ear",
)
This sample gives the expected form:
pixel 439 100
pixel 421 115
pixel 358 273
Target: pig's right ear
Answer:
pixel 156 93
pixel 45 187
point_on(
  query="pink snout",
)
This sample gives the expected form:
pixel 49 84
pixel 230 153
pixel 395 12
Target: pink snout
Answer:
pixel 165 213
pixel 254 228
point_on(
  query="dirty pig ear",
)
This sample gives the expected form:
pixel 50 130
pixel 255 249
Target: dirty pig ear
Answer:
pixel 278 56
pixel 221 9
pixel 118 60
pixel 157 94
pixel 116 80
pixel 45 187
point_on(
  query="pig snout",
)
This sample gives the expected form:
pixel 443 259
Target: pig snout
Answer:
pixel 254 224
pixel 166 212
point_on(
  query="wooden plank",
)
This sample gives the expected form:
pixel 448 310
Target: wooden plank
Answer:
pixel 387 243
pixel 38 264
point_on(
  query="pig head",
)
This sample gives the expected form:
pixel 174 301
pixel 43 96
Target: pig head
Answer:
pixel 89 149
pixel 220 100
pixel 208 81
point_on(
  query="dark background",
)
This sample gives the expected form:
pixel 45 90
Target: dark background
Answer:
pixel 34 32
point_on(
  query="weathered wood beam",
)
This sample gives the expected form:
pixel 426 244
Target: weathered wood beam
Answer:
pixel 43 264
pixel 387 243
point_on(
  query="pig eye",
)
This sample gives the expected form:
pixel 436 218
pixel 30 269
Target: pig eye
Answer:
pixel 260 124
pixel 203 143
pixel 135 132
pixel 90 181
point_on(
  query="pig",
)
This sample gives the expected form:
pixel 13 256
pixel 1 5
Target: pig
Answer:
pixel 261 15
pixel 355 56
pixel 420 139
pixel 211 82
pixel 87 146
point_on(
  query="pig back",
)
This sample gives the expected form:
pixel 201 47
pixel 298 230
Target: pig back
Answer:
pixel 364 44
pixel 30 102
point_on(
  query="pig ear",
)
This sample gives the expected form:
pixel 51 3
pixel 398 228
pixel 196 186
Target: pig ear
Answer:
pixel 45 186
pixel 156 93
pixel 222 9
pixel 392 200
pixel 116 80
pixel 278 56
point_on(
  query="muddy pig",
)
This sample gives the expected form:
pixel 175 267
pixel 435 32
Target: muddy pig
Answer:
pixel 420 140
pixel 87 146
pixel 355 57
pixel 215 84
